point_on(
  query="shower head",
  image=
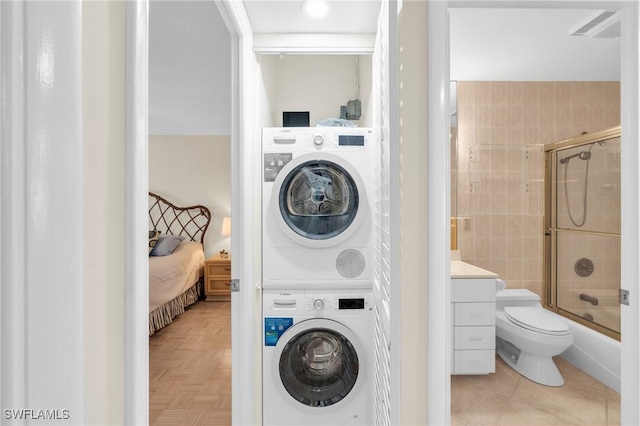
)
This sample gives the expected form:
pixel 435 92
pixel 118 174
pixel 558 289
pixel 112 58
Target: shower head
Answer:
pixel 583 155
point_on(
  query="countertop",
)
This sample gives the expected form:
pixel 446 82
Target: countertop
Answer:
pixel 460 269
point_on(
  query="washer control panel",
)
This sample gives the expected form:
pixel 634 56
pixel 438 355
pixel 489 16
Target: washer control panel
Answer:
pixel 332 303
pixel 313 303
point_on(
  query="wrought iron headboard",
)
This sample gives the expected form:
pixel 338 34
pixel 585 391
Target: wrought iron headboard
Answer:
pixel 191 222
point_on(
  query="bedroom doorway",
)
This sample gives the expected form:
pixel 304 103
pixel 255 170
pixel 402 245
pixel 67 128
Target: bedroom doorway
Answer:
pixel 190 168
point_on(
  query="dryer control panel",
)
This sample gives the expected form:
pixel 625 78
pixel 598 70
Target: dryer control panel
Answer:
pixel 319 140
pixel 312 139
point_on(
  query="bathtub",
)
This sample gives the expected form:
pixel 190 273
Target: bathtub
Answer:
pixel 595 354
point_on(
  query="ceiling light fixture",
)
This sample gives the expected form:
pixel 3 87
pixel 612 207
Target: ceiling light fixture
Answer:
pixel 315 9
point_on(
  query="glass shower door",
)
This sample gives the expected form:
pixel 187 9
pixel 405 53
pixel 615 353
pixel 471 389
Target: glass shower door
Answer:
pixel 583 231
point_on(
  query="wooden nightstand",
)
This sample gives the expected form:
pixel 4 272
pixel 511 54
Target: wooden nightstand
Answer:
pixel 217 278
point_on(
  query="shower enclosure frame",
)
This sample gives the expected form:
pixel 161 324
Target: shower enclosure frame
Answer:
pixel 550 226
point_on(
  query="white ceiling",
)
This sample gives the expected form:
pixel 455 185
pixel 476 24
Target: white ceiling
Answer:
pixel 344 16
pixel 529 45
pixel 189 61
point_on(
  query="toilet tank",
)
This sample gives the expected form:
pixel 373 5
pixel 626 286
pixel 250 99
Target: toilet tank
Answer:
pixel 516 297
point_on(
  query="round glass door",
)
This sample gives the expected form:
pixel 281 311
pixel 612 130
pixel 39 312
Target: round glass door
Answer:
pixel 319 367
pixel 318 199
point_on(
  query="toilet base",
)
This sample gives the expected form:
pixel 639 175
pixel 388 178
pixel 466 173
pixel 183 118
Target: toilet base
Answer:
pixel 541 370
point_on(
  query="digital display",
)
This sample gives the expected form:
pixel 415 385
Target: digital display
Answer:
pixel 351 140
pixel 350 303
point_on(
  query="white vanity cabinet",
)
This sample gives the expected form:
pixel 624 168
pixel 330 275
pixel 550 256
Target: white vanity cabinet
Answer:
pixel 474 320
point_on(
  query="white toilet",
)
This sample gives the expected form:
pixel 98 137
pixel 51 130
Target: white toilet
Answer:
pixel 528 335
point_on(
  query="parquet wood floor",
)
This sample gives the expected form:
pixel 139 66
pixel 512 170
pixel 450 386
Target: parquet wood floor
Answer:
pixel 190 368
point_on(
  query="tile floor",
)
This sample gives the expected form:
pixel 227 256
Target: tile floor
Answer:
pixel 190 383
pixel 507 398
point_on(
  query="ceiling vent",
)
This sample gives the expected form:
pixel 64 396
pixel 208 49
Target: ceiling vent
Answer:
pixel 605 25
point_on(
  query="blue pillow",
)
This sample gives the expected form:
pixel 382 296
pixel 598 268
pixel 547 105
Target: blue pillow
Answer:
pixel 166 245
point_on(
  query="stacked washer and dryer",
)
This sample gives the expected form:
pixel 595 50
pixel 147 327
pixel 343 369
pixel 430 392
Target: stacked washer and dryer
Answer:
pixel 317 275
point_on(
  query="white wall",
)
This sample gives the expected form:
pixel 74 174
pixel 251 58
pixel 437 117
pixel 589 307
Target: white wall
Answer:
pixel 188 170
pixel 189 69
pixel 266 91
pixel 366 91
pixel 103 207
pixel 415 217
pixel 319 84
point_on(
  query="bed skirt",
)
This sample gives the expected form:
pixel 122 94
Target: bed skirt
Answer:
pixel 164 315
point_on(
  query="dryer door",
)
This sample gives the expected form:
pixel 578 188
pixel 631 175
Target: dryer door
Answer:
pixel 320 200
pixel 318 363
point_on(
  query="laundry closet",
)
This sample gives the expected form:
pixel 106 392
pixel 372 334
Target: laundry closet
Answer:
pixel 321 287
pixel 268 66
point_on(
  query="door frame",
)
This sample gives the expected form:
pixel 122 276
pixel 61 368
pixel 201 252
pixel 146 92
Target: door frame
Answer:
pixel 245 399
pixel 439 406
pixel 136 290
pixel 246 403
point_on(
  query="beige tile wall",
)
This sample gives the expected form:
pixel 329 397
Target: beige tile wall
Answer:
pixel 502 127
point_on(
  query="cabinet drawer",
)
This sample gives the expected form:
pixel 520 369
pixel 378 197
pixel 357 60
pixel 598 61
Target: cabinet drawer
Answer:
pixel 474 362
pixel 218 285
pixel 475 313
pixel 475 338
pixel 219 269
pixel 473 290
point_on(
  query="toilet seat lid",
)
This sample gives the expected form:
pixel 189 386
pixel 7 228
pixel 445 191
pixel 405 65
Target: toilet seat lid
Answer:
pixel 537 320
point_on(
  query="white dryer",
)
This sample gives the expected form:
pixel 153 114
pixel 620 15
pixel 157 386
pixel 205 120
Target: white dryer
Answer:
pixel 316 202
pixel 316 357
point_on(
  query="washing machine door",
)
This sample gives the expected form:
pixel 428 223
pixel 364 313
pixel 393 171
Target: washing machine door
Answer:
pixel 320 199
pixel 318 363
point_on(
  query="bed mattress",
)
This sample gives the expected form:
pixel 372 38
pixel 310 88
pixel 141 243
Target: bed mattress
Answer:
pixel 172 275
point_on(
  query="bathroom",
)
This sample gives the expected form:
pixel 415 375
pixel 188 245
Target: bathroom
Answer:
pixel 506 129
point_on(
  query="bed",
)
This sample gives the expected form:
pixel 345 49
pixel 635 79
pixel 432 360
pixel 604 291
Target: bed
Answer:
pixel 175 274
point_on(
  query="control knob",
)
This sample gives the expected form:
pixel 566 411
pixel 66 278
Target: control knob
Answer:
pixel 318 140
pixel 318 304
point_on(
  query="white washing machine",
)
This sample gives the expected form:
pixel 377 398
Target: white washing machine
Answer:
pixel 316 357
pixel 316 202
